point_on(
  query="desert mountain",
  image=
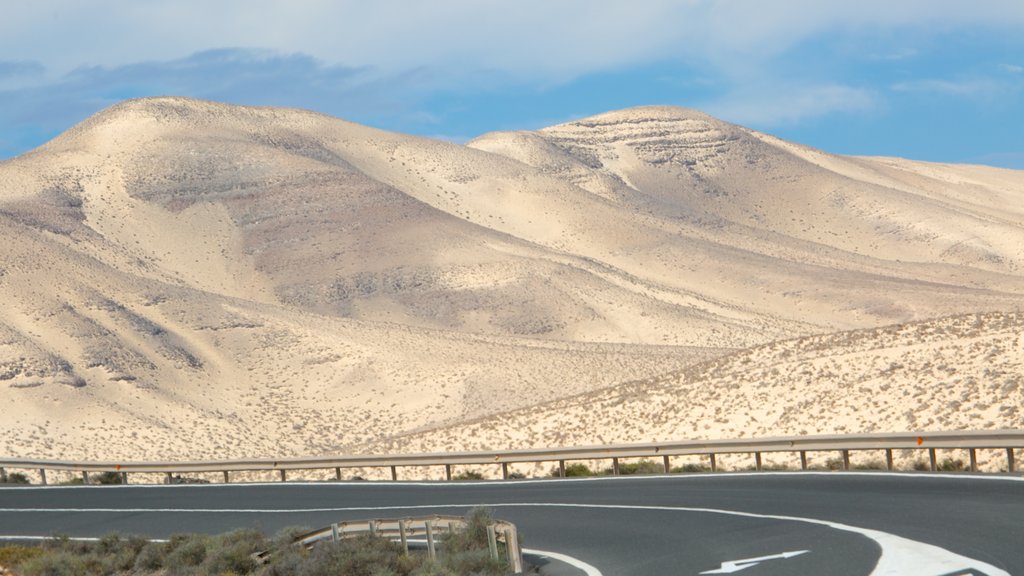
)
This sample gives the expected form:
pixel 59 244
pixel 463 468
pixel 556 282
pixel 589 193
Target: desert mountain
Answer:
pixel 225 281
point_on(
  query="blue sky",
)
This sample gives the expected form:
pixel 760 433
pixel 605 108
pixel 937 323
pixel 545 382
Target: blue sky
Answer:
pixel 933 80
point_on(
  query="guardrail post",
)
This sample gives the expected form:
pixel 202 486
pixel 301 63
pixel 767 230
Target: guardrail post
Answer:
pixel 1009 461
pixel 284 476
pixel 227 478
pixel 515 556
pixel 394 473
pixel 85 477
pixel 405 539
pixel 42 474
pixel 974 460
pixel 757 461
pixel 372 525
pixel 846 459
pixel 431 551
pixel 615 466
pixel 492 542
pixel 665 464
pixel 504 470
pixel 448 472
pixel 714 464
pixel 803 459
pixel 124 477
pixel 3 475
pixel 334 532
pixel 931 459
pixel 337 474
pixel 888 459
pixel 167 478
pixel 561 468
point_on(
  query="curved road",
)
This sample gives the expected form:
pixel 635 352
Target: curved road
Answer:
pixel 753 524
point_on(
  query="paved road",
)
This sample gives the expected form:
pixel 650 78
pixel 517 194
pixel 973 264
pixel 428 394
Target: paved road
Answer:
pixel 795 523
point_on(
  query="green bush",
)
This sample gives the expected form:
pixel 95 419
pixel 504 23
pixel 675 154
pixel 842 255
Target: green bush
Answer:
pixel 468 475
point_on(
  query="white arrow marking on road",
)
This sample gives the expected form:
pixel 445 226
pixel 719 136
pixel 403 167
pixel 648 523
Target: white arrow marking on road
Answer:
pixel 737 565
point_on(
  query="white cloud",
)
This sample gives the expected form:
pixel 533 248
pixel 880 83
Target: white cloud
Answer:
pixel 780 105
pixel 1012 68
pixel 531 38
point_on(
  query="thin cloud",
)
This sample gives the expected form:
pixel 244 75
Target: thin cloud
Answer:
pixel 12 68
pixel 256 77
pixel 967 88
pixel 775 106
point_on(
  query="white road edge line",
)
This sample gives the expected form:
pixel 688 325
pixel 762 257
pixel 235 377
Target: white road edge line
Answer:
pixel 900 556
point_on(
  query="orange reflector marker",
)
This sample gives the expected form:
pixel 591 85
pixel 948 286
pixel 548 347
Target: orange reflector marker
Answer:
pixel 920 440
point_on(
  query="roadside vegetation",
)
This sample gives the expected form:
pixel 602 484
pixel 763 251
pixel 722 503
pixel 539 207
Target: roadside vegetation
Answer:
pixel 463 552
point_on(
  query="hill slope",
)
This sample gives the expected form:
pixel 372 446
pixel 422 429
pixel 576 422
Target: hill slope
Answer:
pixel 260 277
pixel 961 372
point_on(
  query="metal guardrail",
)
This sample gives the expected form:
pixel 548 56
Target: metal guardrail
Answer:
pixel 427 527
pixel 1008 440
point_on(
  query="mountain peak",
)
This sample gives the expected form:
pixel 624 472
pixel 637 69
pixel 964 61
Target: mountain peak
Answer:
pixel 639 114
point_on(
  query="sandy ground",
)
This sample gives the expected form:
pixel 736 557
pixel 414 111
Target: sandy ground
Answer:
pixel 185 279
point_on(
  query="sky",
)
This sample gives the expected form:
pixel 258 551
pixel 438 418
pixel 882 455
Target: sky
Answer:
pixel 936 80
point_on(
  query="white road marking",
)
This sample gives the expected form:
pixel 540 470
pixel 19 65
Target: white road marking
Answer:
pixel 574 562
pixel 900 556
pixel 737 565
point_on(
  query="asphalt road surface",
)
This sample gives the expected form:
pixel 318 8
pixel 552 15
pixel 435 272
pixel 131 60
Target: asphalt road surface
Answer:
pixel 752 524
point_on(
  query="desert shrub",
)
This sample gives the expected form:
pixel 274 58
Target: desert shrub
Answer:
pixel 13 555
pixel 468 475
pixel 363 556
pixel 56 563
pixel 15 478
pixel 466 551
pixel 185 553
pixel 116 553
pixel 870 465
pixel 691 468
pixel 922 466
pixel 644 466
pixel 951 465
pixel 232 553
pixel 834 464
pixel 576 469
pixel 108 478
pixel 151 557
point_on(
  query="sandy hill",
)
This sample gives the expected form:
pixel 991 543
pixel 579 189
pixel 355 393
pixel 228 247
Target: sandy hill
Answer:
pixel 187 279
pixel 961 372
